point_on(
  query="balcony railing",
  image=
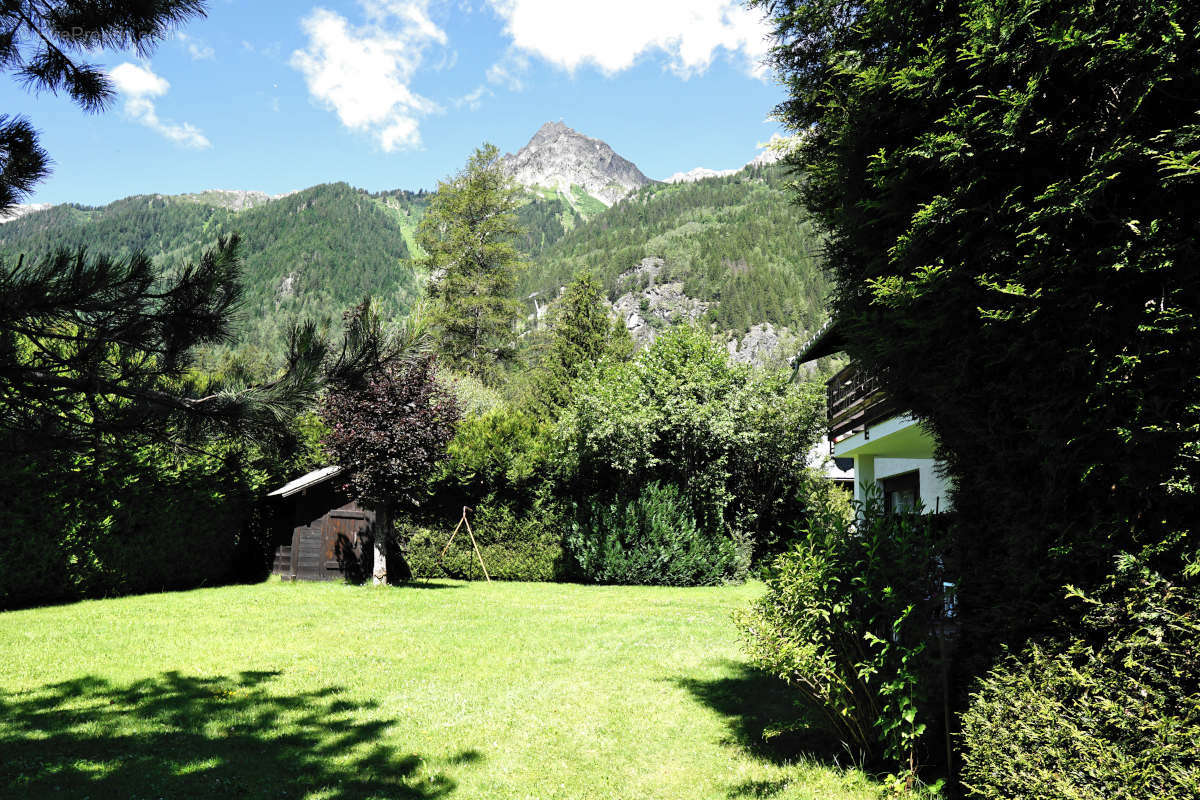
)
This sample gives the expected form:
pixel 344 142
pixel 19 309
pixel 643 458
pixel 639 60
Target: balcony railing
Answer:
pixel 854 402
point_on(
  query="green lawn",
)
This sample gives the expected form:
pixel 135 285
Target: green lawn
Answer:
pixel 455 690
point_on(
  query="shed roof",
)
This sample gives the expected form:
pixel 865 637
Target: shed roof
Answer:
pixel 302 483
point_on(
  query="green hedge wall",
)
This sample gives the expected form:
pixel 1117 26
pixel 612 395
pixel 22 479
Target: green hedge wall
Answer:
pixel 1111 712
pixel 522 545
pixel 124 522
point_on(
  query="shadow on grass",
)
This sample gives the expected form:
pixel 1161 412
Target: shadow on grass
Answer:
pixel 177 736
pixel 753 703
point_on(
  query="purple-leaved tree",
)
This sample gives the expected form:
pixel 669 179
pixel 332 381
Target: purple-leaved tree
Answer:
pixel 389 434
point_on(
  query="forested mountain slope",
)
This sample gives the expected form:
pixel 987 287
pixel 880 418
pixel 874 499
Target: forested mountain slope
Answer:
pixel 735 248
pixel 312 253
pixel 737 242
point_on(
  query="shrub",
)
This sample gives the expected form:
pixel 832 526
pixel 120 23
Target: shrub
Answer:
pixel 518 544
pixel 1112 713
pixel 502 451
pixel 473 395
pixel 733 439
pixel 652 538
pixel 848 619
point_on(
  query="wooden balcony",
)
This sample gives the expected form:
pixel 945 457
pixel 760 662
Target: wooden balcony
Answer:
pixel 854 402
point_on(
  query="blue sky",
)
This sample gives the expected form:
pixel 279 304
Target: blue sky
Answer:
pixel 384 94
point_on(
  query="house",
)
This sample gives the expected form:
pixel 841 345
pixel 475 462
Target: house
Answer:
pixel 889 448
pixel 840 471
pixel 326 534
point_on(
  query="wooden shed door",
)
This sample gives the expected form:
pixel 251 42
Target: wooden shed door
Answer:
pixel 306 553
pixel 346 534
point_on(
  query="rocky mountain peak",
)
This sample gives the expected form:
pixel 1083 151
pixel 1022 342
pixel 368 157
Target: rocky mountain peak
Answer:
pixel 559 157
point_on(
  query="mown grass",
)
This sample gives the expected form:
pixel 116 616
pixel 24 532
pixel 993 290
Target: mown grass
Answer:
pixel 448 690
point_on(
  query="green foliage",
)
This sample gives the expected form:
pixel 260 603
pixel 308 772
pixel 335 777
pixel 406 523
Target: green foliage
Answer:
pixel 503 451
pixel 722 446
pixel 310 254
pixel 467 235
pixel 738 240
pixel 582 335
pixel 1009 189
pixel 112 521
pixel 1109 712
pixel 733 438
pixel 518 543
pixel 849 619
pixel 474 396
pixel 651 538
pixel 496 465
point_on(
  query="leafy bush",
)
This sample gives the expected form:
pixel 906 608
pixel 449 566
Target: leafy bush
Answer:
pixel 848 620
pixel 652 539
pixel 501 451
pixel 474 396
pixel 733 439
pixel 517 545
pixel 1112 713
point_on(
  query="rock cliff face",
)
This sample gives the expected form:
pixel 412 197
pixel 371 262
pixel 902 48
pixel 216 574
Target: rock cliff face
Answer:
pixel 648 310
pixel 763 345
pixel 558 157
pixel 652 305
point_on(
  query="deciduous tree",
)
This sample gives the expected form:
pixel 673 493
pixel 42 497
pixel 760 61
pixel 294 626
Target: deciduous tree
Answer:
pixel 389 435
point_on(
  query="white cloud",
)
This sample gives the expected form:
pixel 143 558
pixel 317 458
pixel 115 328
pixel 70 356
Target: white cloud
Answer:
pixel 613 34
pixel 508 71
pixel 364 72
pixel 473 100
pixel 198 50
pixel 140 85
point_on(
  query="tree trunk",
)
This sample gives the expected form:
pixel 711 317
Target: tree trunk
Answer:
pixel 382 534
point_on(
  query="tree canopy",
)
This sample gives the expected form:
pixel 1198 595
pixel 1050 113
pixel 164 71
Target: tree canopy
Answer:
pixel 467 234
pixel 582 334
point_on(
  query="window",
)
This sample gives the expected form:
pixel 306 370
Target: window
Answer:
pixel 902 492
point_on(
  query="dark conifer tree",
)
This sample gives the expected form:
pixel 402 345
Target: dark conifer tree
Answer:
pixel 93 346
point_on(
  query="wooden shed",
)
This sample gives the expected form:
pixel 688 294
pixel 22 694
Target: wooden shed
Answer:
pixel 331 534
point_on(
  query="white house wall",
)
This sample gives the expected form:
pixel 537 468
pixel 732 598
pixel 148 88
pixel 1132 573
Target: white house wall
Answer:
pixel 935 491
pixel 894 447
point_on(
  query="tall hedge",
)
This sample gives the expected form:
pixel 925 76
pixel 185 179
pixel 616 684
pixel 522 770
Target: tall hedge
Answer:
pixel 111 522
pixel 1010 189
